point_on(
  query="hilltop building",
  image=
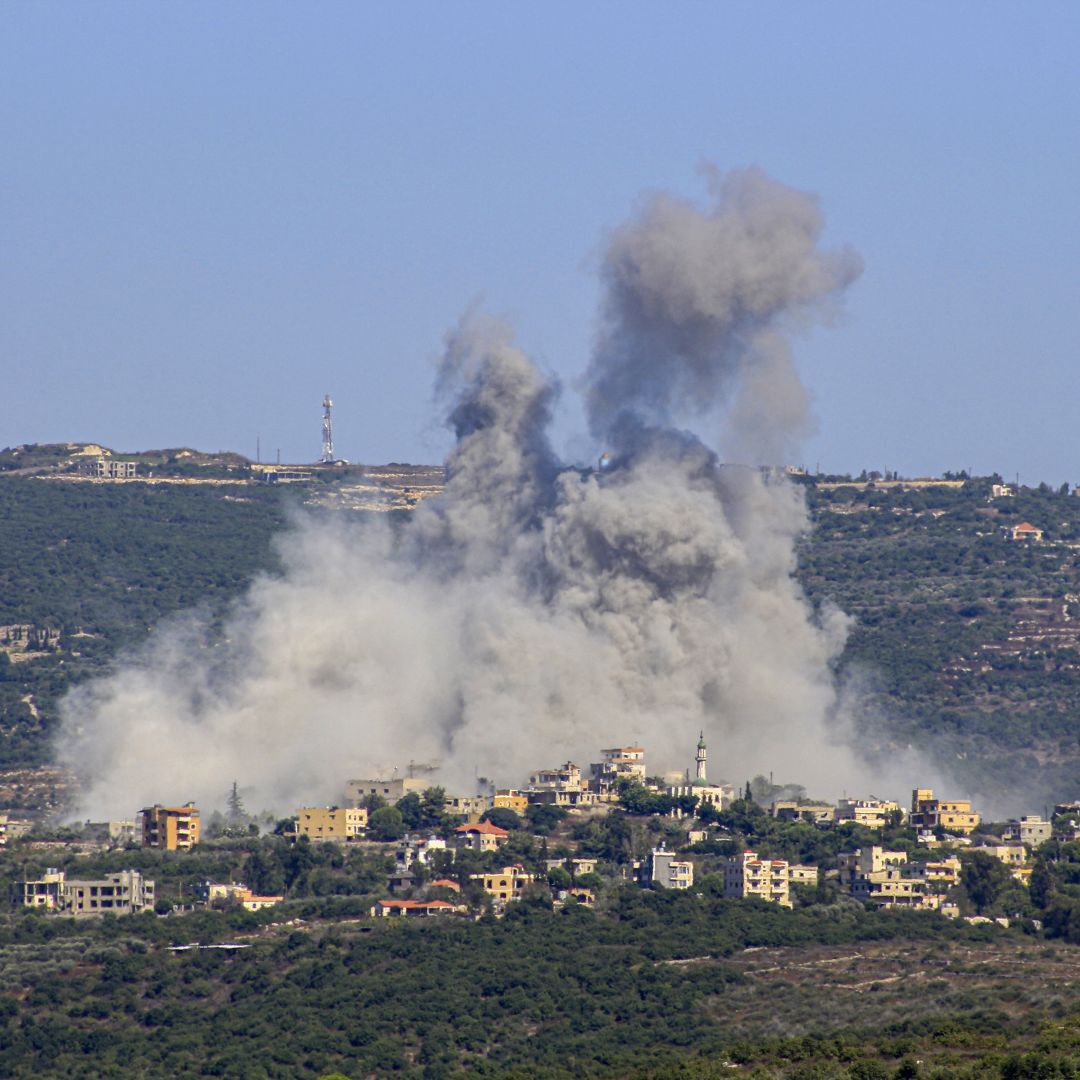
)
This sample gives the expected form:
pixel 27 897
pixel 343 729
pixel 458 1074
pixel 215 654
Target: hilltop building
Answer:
pixel 952 815
pixel 717 795
pixel 170 828
pixel 873 813
pixel 391 790
pixel 619 763
pixel 331 822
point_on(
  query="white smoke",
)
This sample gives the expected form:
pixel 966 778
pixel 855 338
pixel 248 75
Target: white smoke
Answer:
pixel 535 612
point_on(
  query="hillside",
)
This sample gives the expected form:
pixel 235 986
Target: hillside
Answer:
pixel 965 643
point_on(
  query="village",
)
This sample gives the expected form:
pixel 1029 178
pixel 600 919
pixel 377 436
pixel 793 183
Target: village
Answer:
pixel 466 855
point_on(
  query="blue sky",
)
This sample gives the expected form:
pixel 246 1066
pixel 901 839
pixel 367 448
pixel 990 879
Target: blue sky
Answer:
pixel 213 214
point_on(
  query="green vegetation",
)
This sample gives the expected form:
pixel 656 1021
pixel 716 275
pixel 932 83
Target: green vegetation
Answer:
pixel 964 641
pixel 636 991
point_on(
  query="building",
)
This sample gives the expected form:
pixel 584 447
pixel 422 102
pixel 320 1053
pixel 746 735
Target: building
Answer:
pixel 872 813
pixel 391 791
pixel 483 836
pixel 509 799
pixel 716 795
pixel 867 861
pixel 337 823
pixel 892 888
pixel 802 875
pixel 123 893
pixel 210 891
pixel 12 828
pixel 1031 830
pixel 746 875
pixel 414 908
pixel 507 884
pixel 565 778
pixel 43 893
pixel 170 828
pixel 113 833
pixel 1001 491
pixel 1024 531
pixel 106 469
pixel 417 850
pixel 954 816
pixel 470 807
pixel 664 869
pixel 1010 854
pixel 620 763
pixel 812 813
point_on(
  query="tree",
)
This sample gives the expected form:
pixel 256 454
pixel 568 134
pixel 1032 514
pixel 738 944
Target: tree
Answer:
pixel 386 823
pixel 503 817
pixel 411 810
pixel 983 878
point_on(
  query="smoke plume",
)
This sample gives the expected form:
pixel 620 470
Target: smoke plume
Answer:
pixel 536 612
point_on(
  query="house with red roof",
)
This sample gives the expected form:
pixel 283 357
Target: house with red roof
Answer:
pixel 483 836
pixel 1024 531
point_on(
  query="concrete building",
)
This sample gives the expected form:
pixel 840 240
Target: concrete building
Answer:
pixel 872 813
pixel 670 872
pixel 507 884
pixel 952 815
pixel 619 763
pixel 336 823
pixel 565 778
pixel 892 888
pixel 42 893
pixel 170 828
pixel 470 807
pixel 106 469
pixel 509 799
pixel 812 813
pixel 867 861
pixel 390 790
pixel 483 836
pixel 209 891
pixel 746 875
pixel 1031 830
pixel 123 893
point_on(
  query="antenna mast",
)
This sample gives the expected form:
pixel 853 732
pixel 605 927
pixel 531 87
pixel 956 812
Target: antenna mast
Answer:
pixel 327 432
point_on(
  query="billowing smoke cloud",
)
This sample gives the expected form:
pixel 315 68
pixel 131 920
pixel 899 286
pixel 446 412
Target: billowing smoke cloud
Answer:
pixel 536 612
pixel 695 309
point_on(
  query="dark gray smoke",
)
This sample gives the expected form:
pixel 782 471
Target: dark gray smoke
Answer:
pixel 696 305
pixel 535 612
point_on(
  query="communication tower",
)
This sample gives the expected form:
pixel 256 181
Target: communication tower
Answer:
pixel 327 432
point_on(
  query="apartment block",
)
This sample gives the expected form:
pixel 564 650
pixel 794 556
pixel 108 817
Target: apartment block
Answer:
pixel 952 815
pixel 124 893
pixel 170 828
pixel 1031 830
pixel 671 873
pixel 746 875
pixel 335 823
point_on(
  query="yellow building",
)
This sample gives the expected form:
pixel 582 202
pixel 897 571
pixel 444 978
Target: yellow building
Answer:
pixel 746 875
pixel 170 828
pixel 342 823
pixel 872 813
pixel 952 815
pixel 510 800
pixel 892 888
pixel 508 884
